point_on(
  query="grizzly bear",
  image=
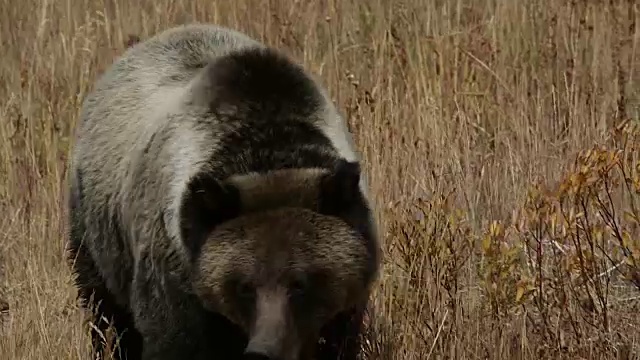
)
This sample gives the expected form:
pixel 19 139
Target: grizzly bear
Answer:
pixel 218 209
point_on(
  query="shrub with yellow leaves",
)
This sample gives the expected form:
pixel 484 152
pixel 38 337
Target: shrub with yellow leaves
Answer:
pixel 558 280
pixel 581 245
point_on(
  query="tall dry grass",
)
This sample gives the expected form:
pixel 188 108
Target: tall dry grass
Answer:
pixel 505 238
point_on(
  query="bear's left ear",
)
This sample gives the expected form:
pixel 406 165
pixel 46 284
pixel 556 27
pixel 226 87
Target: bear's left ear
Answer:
pixel 340 189
pixel 206 203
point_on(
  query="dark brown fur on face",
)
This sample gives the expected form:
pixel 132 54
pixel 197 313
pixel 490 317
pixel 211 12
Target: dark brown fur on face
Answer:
pixel 279 269
pixel 311 265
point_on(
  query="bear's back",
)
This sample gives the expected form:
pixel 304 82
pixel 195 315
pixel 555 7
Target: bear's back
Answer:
pixel 138 98
pixel 134 144
pixel 132 99
pixel 140 141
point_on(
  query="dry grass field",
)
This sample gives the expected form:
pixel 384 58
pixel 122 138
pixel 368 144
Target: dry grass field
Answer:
pixel 501 139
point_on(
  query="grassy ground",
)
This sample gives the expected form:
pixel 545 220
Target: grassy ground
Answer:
pixel 505 238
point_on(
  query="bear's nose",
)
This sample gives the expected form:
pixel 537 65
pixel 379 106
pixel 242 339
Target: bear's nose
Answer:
pixel 257 356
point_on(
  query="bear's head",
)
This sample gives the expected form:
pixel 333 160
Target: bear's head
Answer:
pixel 281 254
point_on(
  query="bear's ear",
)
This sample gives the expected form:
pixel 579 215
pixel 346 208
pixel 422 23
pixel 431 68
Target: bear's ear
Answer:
pixel 340 190
pixel 206 203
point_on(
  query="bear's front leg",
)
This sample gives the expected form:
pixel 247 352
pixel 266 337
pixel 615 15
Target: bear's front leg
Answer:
pixel 179 328
pixel 168 318
pixel 173 322
pixel 342 336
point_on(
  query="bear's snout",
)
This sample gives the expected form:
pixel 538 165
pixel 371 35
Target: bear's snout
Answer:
pixel 271 336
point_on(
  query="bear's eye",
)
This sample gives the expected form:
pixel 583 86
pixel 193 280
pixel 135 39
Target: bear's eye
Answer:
pixel 244 289
pixel 298 286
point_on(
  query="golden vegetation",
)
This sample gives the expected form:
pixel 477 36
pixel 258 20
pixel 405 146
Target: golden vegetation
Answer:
pixel 500 137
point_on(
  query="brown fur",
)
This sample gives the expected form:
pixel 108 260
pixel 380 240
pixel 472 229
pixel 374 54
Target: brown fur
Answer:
pixel 279 249
pixel 204 158
pixel 291 187
pixel 271 253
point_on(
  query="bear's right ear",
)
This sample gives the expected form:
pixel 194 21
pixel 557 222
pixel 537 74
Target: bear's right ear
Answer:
pixel 206 203
pixel 339 189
